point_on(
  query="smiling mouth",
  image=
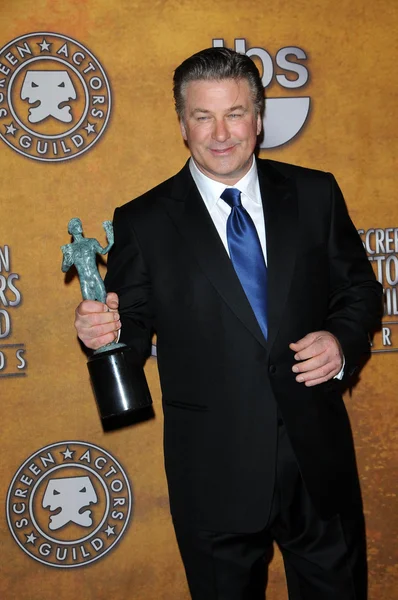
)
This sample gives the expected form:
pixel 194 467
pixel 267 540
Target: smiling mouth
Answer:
pixel 222 151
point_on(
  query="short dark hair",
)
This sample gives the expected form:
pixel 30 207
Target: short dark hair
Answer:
pixel 217 64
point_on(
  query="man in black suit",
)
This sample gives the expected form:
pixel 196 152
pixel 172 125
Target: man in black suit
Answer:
pixel 258 287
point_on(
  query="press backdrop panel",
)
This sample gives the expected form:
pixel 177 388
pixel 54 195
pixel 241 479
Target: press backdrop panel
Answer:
pixel 338 114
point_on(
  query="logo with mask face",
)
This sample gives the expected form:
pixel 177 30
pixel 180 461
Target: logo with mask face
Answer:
pixel 55 98
pixel 69 504
pixel 50 89
pixel 70 495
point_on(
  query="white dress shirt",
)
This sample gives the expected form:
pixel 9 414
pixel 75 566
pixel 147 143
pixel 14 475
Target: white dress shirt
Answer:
pixel 219 210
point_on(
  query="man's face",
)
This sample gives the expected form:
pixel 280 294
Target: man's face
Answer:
pixel 220 126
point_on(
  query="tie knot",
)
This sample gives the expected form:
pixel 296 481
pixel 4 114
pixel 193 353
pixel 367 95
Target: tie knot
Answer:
pixel 231 196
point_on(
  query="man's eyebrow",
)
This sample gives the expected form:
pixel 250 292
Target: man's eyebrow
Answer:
pixel 231 109
pixel 238 107
pixel 199 110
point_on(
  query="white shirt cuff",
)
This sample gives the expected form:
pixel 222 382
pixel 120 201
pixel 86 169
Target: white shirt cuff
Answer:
pixel 340 374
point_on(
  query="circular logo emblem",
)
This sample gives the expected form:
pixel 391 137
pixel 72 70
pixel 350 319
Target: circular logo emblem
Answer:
pixel 69 504
pixel 55 98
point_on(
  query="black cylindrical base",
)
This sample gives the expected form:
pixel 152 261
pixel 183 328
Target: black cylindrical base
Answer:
pixel 119 383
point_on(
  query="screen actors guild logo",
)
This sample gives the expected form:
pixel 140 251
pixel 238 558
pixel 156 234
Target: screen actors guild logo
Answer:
pixel 70 496
pixel 55 98
pixel 69 504
pixel 50 89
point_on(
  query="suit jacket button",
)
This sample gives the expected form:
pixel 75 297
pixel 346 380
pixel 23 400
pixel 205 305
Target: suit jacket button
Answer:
pixel 272 369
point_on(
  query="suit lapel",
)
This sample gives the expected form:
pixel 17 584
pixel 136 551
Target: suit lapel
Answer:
pixel 281 214
pixel 189 214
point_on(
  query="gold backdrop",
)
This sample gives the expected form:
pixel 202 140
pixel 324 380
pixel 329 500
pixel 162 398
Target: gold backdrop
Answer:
pixel 351 130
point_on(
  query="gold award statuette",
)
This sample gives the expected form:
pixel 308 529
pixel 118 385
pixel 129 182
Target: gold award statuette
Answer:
pixel 116 372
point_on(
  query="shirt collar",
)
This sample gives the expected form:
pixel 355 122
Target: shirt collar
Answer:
pixel 211 190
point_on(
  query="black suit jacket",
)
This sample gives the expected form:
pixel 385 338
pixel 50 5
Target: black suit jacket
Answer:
pixel 222 382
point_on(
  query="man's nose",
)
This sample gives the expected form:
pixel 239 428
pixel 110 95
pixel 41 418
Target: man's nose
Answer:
pixel 220 131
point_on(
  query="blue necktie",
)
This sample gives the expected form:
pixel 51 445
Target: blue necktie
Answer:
pixel 247 256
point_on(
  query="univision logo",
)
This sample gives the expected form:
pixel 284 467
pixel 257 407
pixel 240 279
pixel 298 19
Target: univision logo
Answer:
pixel 284 117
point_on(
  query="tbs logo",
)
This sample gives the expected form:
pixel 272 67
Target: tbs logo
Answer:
pixel 284 117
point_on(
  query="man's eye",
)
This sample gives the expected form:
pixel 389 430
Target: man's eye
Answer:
pixel 235 115
pixel 202 118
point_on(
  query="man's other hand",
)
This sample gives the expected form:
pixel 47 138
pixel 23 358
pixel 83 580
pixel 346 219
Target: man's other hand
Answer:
pixel 96 323
pixel 319 357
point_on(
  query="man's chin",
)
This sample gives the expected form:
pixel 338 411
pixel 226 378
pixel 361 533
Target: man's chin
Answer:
pixel 226 173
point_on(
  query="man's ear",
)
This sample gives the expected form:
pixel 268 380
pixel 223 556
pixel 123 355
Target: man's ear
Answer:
pixel 183 130
pixel 259 124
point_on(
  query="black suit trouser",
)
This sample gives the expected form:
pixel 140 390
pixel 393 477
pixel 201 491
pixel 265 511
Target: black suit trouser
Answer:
pixel 324 559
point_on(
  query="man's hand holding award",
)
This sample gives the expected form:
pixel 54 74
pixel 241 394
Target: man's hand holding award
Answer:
pixel 116 372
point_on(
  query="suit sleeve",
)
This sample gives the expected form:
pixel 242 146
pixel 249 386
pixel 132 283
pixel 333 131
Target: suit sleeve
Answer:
pixel 128 276
pixel 355 302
